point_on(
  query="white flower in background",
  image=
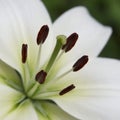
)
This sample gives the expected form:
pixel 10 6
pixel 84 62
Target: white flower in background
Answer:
pixel 39 76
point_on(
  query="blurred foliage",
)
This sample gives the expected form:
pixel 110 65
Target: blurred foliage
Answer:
pixel 105 11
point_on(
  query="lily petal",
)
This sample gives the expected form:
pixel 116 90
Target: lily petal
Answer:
pixel 97 92
pixel 92 108
pixel 20 23
pixel 52 111
pixel 25 111
pixel 8 98
pixel 92 35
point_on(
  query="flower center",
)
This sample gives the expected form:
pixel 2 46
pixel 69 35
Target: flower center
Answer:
pixel 63 45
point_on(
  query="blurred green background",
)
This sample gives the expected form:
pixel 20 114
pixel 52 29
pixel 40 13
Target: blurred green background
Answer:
pixel 105 11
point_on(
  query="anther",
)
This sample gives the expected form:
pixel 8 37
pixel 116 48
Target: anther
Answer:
pixel 67 89
pixel 71 40
pixel 24 52
pixel 80 63
pixel 42 35
pixel 41 76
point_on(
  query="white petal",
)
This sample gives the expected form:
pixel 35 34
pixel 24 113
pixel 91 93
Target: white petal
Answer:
pixel 24 111
pixel 97 92
pixel 53 112
pixel 8 99
pixel 92 35
pixel 91 108
pixel 20 22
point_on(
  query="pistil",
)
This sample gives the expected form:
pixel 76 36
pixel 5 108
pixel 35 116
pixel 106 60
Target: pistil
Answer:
pixel 61 39
pixel 64 44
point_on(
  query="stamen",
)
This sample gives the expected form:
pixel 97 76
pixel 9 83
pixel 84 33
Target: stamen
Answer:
pixel 24 52
pixel 71 40
pixel 80 63
pixel 67 89
pixel 42 35
pixel 41 76
pixel 77 66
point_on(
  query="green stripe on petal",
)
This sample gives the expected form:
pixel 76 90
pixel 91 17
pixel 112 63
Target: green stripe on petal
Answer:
pixel 25 111
pixel 52 111
pixel 9 98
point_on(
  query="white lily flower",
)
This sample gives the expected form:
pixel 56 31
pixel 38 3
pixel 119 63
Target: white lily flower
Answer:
pixel 39 81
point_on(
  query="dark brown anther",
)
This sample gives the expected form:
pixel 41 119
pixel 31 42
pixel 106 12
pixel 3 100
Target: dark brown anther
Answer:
pixel 24 52
pixel 41 76
pixel 80 63
pixel 42 35
pixel 71 40
pixel 67 89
